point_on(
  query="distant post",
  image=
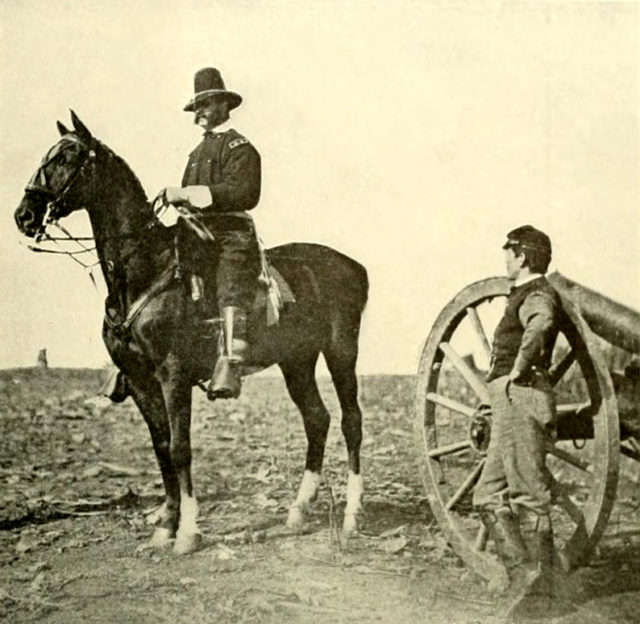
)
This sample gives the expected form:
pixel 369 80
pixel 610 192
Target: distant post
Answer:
pixel 42 359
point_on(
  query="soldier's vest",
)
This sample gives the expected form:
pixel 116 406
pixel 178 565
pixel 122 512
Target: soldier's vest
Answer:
pixel 508 335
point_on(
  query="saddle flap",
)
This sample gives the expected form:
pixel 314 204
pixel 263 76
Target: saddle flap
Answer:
pixel 273 293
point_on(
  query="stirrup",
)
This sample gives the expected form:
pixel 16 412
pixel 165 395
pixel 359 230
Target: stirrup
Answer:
pixel 225 382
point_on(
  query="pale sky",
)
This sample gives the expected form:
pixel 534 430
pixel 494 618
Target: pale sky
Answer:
pixel 410 135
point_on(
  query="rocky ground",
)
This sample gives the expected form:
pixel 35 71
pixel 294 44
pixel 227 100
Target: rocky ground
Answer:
pixel 79 482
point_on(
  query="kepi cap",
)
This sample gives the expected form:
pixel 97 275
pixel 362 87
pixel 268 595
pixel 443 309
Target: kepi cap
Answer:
pixel 529 237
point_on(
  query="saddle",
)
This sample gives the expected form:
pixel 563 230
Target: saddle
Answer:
pixel 272 290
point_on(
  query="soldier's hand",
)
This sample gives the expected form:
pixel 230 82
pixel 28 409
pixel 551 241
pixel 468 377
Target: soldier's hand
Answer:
pixel 173 195
pixel 160 199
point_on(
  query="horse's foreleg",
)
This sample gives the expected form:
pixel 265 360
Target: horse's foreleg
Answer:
pixel 341 363
pixel 177 395
pixel 307 493
pixel 147 395
pixel 300 379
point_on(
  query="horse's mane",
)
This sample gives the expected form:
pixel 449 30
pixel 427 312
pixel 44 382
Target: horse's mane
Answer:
pixel 128 175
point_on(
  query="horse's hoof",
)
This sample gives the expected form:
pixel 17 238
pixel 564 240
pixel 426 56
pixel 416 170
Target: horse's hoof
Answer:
pixel 161 538
pixel 352 522
pixel 295 519
pixel 186 544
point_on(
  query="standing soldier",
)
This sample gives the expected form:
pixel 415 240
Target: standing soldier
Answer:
pixel 221 183
pixel 515 482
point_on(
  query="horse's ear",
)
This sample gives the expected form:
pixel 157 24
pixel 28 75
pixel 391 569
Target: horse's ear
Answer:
pixel 81 130
pixel 62 129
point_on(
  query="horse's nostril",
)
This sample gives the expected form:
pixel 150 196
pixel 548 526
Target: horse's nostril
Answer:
pixel 25 218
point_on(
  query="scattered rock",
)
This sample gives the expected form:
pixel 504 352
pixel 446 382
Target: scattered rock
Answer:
pixel 394 546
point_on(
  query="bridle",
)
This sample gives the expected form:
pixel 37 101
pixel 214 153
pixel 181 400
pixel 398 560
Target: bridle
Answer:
pixel 39 184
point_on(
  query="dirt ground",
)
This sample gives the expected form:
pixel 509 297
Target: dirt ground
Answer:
pixel 79 481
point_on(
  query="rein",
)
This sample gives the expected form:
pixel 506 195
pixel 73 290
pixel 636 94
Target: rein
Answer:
pixel 68 237
pixel 40 184
pixel 78 240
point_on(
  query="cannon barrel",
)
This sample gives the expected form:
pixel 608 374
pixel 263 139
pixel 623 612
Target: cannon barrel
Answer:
pixel 618 324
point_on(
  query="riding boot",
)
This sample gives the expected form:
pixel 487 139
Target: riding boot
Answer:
pixel 504 529
pixel 116 387
pixel 531 596
pixel 225 381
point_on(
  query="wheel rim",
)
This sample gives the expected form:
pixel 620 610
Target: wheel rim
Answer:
pixel 449 392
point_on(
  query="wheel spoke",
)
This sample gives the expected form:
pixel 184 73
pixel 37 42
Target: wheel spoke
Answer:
pixel 572 408
pixel 557 371
pixel 449 449
pixel 563 499
pixel 467 484
pixel 573 511
pixel 470 377
pixel 451 404
pixel 473 316
pixel 569 458
pixel 481 538
pixel 633 443
pixel 634 451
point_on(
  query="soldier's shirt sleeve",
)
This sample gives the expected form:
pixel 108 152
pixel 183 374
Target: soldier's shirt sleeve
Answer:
pixel 239 188
pixel 537 315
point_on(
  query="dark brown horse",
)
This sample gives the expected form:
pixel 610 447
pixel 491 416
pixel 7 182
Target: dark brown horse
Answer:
pixel 154 335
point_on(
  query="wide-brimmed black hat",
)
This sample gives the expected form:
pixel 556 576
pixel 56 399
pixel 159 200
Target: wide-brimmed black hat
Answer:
pixel 208 82
pixel 529 237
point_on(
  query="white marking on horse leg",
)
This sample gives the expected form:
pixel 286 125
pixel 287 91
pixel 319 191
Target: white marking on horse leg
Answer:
pixel 161 537
pixel 188 536
pixel 354 502
pixel 307 493
pixel 188 516
pixel 157 516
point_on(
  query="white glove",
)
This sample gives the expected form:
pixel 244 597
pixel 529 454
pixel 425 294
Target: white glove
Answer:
pixel 192 196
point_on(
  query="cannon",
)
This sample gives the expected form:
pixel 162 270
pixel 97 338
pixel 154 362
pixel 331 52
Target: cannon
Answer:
pixel 598 409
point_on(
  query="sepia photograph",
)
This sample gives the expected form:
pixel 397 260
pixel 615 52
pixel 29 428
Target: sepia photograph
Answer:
pixel 320 310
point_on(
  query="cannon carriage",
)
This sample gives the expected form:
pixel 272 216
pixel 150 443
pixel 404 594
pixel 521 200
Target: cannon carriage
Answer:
pixel 596 382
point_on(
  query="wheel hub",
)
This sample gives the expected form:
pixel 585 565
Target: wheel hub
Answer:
pixel 480 429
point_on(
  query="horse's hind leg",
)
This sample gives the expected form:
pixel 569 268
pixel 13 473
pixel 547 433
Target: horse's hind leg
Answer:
pixel 341 359
pixel 148 397
pixel 299 376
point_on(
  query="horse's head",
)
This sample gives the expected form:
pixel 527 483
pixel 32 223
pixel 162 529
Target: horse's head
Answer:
pixel 55 189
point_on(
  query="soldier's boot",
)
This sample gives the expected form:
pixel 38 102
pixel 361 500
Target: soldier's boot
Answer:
pixel 225 381
pixel 116 387
pixel 531 595
pixel 504 529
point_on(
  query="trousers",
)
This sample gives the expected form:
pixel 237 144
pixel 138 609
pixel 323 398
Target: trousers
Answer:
pixel 237 261
pixel 523 420
pixel 231 263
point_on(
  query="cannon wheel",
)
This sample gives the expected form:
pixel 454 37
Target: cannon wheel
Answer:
pixel 451 392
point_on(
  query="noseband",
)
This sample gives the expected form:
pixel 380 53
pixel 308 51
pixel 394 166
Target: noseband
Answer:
pixel 39 184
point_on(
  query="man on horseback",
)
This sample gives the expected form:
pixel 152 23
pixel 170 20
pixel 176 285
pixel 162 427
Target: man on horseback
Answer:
pixel 220 184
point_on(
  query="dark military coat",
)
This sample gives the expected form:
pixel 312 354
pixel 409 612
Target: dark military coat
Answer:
pixel 230 166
